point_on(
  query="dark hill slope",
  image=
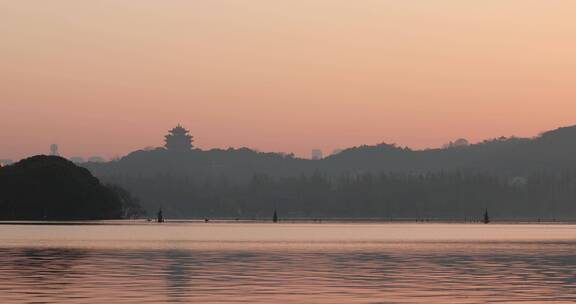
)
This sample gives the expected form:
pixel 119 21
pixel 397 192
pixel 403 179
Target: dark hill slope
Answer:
pixel 53 188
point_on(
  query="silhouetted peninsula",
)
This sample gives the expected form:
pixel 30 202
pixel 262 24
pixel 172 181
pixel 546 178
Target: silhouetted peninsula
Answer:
pixel 53 188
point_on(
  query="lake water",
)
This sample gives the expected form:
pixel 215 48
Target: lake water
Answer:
pixel 129 262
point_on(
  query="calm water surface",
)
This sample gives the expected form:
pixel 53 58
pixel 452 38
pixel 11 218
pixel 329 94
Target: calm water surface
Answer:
pixel 127 262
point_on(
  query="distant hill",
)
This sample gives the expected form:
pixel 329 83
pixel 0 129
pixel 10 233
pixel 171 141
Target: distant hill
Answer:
pixel 53 188
pixel 457 179
pixel 549 152
pixel 552 151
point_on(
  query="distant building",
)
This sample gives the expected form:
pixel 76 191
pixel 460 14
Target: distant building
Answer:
pixel 316 154
pixel 178 139
pixel 96 159
pixel 5 162
pixel 54 150
pixel 77 159
pixel 286 155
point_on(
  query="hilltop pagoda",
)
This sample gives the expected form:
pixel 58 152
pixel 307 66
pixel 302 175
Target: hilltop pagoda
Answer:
pixel 178 139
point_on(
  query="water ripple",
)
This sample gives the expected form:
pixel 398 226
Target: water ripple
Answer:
pixel 288 271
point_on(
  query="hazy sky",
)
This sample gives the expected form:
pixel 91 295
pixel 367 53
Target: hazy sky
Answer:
pixel 108 77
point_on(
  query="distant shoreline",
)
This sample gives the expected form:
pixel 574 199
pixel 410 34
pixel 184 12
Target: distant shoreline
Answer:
pixel 287 221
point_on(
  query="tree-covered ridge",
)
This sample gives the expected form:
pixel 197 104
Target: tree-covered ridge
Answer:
pixel 182 181
pixel 53 188
pixel 550 152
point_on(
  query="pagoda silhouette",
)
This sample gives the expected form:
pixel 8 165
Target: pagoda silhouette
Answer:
pixel 178 139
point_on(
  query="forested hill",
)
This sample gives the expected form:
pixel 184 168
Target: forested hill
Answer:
pixel 53 188
pixel 552 151
pixel 513 177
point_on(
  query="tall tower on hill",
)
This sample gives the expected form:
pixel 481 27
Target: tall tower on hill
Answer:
pixel 178 139
pixel 54 150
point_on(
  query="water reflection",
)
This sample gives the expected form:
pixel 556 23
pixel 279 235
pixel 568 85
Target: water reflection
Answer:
pixel 290 271
pixel 178 275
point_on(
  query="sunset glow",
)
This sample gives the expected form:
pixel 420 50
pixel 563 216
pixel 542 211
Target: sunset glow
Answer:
pixel 109 77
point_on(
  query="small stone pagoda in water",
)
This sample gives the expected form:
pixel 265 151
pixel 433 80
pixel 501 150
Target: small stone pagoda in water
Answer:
pixel 178 139
pixel 160 216
pixel 486 219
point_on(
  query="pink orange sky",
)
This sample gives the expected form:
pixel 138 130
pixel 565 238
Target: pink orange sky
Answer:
pixel 109 77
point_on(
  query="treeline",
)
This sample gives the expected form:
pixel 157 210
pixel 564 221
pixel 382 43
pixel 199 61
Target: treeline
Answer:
pixel 454 195
pixel 551 152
